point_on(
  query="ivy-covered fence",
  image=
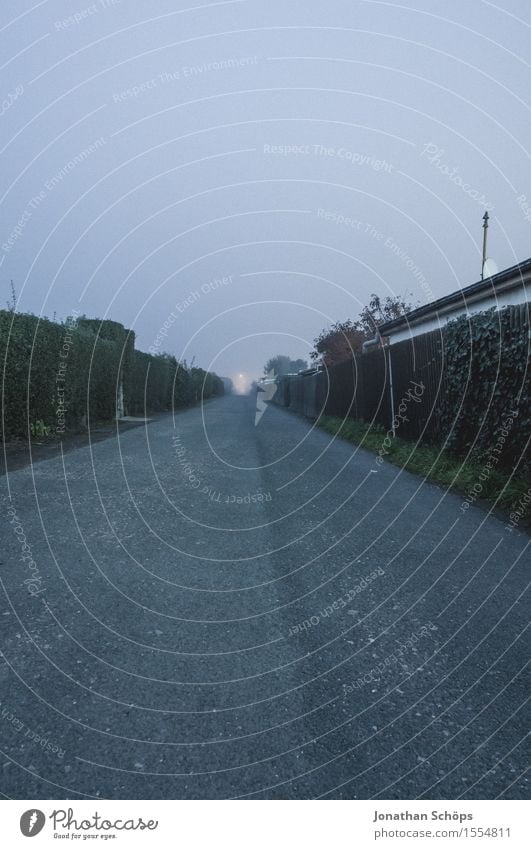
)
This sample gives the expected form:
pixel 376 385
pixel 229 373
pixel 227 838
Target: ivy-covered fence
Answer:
pixel 465 387
pixel 59 376
pixel 487 385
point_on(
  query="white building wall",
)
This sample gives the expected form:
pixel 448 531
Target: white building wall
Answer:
pixel 519 295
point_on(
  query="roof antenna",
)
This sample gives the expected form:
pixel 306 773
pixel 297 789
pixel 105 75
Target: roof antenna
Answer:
pixel 488 266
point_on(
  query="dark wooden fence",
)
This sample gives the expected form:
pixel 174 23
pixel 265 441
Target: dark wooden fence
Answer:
pixel 418 371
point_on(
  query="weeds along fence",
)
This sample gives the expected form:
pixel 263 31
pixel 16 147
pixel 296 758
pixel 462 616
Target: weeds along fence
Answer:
pixel 57 377
pixel 464 386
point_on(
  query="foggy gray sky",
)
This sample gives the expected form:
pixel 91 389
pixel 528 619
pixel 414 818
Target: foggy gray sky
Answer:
pixel 152 149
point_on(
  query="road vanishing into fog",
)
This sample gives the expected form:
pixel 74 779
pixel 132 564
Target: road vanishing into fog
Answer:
pixel 220 605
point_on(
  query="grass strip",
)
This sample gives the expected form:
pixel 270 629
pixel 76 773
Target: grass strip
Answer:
pixel 510 493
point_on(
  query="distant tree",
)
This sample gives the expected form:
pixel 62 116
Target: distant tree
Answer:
pixel 339 343
pixel 228 384
pixel 282 364
pixel 345 338
pixel 381 310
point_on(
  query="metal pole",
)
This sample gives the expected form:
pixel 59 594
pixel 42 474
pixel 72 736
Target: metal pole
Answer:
pixel 485 228
pixel 392 428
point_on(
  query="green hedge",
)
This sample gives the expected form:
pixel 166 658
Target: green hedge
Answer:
pixel 56 377
pixel 150 384
pixel 161 383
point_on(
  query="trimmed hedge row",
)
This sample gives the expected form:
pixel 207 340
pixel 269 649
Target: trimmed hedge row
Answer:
pixel 56 377
pixel 161 383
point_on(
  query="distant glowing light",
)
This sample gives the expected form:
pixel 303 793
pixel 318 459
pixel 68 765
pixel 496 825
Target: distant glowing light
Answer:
pixel 242 384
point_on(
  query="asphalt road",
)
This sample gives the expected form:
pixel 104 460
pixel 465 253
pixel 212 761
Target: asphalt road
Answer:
pixel 192 620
